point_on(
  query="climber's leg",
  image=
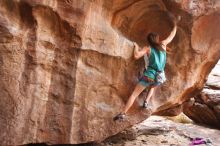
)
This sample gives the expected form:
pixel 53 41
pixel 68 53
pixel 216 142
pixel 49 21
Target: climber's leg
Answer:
pixel 138 89
pixel 150 93
pixel 143 83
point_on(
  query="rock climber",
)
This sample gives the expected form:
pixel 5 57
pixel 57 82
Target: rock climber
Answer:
pixel 153 75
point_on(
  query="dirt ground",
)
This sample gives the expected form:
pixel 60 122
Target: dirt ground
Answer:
pixel 160 131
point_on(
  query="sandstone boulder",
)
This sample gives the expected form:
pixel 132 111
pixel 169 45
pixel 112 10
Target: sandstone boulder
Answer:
pixel 206 106
pixel 66 67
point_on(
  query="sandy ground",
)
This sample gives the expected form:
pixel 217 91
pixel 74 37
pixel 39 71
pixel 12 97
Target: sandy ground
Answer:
pixel 160 131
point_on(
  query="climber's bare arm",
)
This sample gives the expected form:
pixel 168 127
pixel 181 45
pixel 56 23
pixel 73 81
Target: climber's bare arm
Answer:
pixel 139 53
pixel 170 37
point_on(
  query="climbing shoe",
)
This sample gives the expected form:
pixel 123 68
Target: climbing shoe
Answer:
pixel 146 105
pixel 119 117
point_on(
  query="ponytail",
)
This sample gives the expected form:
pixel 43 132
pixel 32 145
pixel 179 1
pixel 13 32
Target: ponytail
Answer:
pixel 153 40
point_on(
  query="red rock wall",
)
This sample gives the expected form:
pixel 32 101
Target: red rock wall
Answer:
pixel 67 66
pixel 205 107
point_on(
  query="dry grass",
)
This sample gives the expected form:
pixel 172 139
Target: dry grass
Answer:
pixel 181 118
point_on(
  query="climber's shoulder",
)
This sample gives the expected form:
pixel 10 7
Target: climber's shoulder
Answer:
pixel 164 46
pixel 147 49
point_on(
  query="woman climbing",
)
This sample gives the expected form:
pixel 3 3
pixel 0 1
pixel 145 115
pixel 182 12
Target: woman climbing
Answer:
pixel 154 75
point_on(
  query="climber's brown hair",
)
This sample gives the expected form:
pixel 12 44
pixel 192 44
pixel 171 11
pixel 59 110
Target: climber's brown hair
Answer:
pixel 153 38
pixel 154 41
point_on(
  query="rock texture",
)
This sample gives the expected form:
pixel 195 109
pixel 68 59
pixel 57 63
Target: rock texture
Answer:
pixel 205 108
pixel 159 131
pixel 67 66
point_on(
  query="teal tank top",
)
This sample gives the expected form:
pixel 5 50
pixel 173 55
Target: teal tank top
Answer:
pixel 157 62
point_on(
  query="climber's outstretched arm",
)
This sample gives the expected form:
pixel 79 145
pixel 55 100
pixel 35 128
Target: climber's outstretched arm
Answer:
pixel 139 53
pixel 170 37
